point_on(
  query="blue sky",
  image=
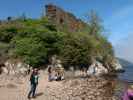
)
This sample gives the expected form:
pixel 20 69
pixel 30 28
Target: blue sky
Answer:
pixel 116 15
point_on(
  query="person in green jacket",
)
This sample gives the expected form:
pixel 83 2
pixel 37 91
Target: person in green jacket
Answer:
pixel 34 82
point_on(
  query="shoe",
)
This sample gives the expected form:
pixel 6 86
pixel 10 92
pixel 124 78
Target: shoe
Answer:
pixel 29 97
pixel 34 97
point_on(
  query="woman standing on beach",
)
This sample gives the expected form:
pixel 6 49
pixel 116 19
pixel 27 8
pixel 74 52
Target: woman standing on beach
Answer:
pixel 34 82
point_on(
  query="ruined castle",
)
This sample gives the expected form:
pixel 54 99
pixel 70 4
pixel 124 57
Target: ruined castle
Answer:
pixel 63 19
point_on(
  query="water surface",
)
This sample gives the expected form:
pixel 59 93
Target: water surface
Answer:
pixel 127 75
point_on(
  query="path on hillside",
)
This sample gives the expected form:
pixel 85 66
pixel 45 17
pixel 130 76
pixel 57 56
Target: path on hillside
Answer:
pixel 17 89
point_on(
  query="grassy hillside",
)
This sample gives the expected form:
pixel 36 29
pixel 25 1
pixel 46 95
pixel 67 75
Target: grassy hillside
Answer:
pixel 36 40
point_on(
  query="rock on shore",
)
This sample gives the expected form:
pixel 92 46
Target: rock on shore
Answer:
pixel 81 89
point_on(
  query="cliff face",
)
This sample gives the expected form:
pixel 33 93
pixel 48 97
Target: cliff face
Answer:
pixel 60 17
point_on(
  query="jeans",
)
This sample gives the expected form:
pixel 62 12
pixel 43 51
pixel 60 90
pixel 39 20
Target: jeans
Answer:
pixel 32 91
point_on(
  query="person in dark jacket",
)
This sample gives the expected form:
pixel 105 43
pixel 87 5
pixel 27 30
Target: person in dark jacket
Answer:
pixel 34 82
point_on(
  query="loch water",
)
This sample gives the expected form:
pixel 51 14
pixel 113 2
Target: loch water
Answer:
pixel 127 76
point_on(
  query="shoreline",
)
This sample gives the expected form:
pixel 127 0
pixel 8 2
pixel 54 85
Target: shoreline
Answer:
pixel 90 88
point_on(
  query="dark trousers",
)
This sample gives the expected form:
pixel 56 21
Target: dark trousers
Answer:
pixel 32 90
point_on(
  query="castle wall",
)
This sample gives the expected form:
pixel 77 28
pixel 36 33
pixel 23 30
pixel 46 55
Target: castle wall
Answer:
pixel 60 17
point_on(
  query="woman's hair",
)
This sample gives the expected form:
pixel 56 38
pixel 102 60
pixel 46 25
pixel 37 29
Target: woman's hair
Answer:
pixel 130 86
pixel 35 71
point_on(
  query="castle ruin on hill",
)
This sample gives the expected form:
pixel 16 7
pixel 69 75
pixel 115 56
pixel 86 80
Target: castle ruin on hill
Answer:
pixel 63 19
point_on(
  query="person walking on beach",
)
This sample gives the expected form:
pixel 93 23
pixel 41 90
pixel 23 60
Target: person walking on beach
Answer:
pixel 33 82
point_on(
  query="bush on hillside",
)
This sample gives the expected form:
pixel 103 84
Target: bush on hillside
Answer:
pixel 35 40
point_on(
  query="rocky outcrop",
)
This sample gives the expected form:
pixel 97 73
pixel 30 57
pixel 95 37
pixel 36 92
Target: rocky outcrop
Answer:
pixel 81 89
pixel 57 68
pixel 117 66
pixel 97 69
pixel 55 62
pixel 15 67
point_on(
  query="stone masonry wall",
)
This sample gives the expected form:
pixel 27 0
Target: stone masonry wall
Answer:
pixel 60 17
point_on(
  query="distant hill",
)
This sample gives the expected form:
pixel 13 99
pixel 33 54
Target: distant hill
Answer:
pixel 124 62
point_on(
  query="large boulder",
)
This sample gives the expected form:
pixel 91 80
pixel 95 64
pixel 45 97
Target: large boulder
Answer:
pixel 57 66
pixel 14 67
pixel 97 69
pixel 4 70
pixel 117 66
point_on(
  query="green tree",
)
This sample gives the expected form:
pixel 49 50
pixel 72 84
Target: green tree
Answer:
pixel 95 26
